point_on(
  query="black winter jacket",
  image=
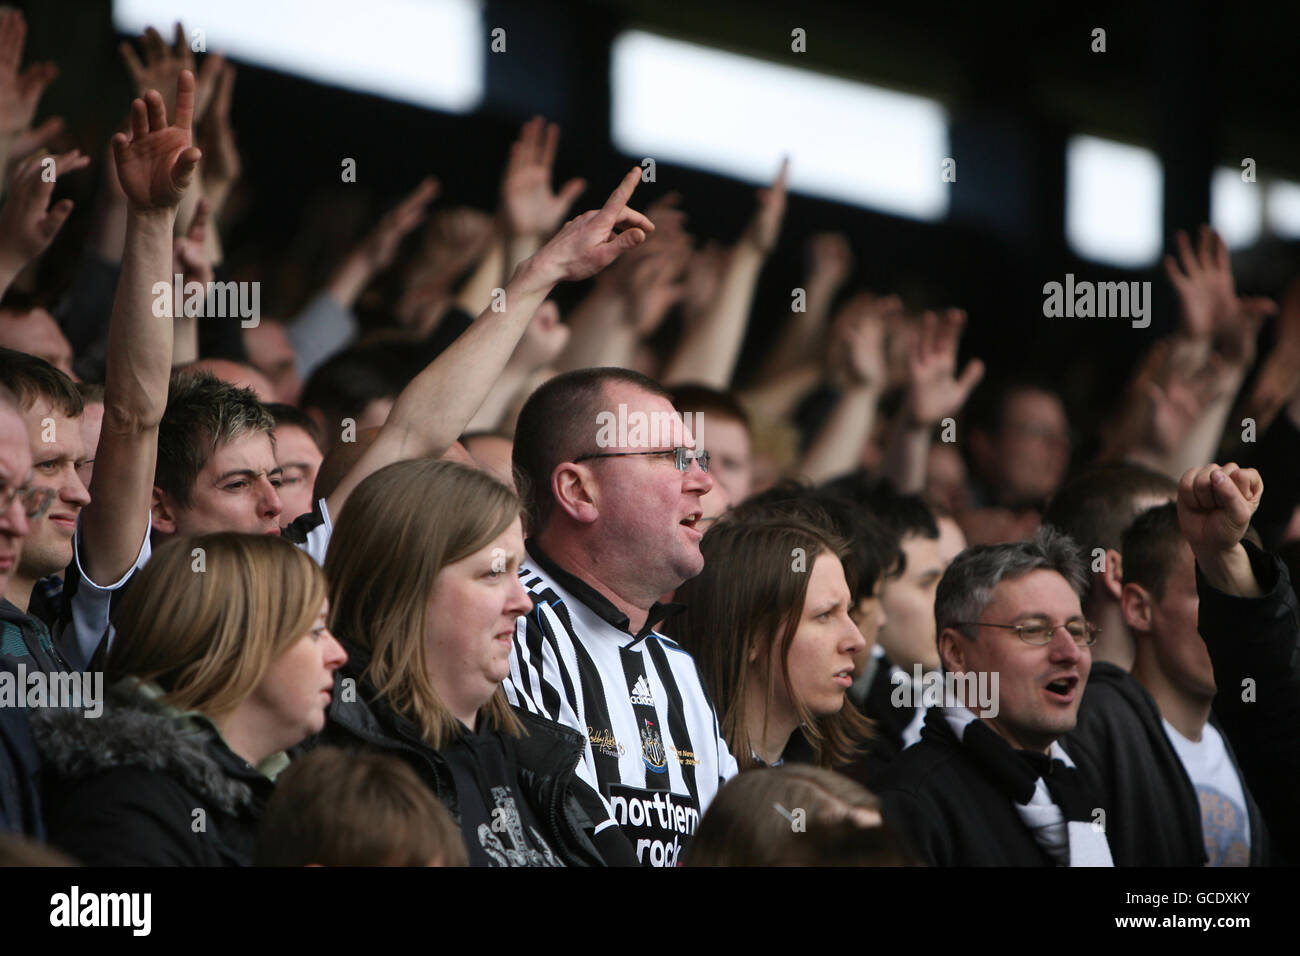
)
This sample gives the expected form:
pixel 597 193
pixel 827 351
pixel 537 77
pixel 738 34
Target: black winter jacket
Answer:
pixel 1254 645
pixel 138 786
pixel 950 810
pixel 547 757
pixel 1155 814
pixel 20 762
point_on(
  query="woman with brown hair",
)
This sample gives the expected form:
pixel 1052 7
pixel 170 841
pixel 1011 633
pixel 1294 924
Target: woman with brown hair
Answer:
pixel 423 572
pixel 767 620
pixel 222 662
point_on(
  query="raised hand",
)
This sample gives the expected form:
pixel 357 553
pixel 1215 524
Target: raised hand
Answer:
pixel 1206 291
pixel 156 162
pixel 380 246
pixel 765 228
pixel 589 242
pixel 857 340
pixel 655 285
pixel 455 240
pixel 1279 373
pixel 28 224
pixel 163 66
pixel 1215 505
pixel 528 205
pixel 19 92
pixel 934 390
pixel 221 163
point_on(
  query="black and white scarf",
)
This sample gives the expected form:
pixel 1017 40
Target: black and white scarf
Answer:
pixel 1048 792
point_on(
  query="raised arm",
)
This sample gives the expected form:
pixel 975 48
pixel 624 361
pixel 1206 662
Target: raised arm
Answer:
pixel 155 164
pixel 858 346
pixel 20 93
pixel 28 223
pixel 1215 504
pixel 435 407
pixel 934 391
pixel 530 211
pixel 708 351
pixel 830 260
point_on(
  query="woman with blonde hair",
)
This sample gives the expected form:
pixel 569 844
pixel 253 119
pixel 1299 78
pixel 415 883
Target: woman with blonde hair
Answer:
pixel 222 662
pixel 768 623
pixel 423 572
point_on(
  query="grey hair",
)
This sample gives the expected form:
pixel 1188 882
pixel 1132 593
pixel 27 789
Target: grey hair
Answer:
pixel 967 586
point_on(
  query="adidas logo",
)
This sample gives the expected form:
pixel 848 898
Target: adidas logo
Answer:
pixel 641 692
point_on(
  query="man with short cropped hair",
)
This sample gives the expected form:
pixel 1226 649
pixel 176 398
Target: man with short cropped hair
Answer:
pixel 990 783
pixel 1094 508
pixel 613 525
pixel 51 410
pixel 1175 793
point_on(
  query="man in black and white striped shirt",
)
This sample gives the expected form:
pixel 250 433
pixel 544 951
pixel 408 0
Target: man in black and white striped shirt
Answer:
pixel 613 485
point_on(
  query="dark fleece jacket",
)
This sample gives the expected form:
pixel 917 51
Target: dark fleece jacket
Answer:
pixel 140 786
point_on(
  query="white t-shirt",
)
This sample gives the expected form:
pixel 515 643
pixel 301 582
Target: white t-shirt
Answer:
pixel 1225 821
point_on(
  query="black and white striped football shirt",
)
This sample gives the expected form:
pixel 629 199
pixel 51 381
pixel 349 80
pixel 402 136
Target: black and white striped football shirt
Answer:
pixel 654 748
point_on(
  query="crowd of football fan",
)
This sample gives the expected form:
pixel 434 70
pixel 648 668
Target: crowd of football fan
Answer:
pixel 481 584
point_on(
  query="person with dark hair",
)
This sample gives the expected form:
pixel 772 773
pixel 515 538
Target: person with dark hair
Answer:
pixel 990 783
pixel 613 483
pixel 1250 623
pixel 890 691
pixel 795 815
pixel 1019 442
pixel 212 464
pixel 768 621
pixel 51 410
pixel 1094 508
pixel 354 389
pixel 1175 794
pixel 334 808
pixel 425 599
pixel 299 453
pixel 873 556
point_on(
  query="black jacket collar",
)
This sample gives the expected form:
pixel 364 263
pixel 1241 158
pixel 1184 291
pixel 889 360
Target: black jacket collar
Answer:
pixel 596 601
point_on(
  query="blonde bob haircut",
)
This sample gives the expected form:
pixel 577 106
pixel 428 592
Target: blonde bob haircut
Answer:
pixel 209 614
pixel 402 526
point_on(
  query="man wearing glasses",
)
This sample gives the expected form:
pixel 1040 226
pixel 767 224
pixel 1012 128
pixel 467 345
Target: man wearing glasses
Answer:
pixel 999 789
pixel 614 527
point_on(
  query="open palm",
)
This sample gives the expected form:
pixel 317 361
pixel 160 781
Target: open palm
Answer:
pixel 156 162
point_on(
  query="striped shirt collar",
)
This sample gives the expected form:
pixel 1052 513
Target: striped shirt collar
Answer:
pixel 597 602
